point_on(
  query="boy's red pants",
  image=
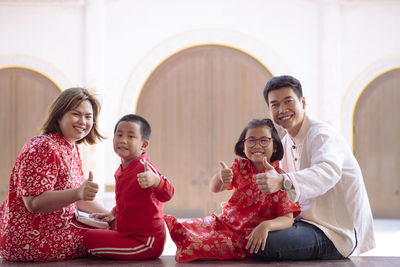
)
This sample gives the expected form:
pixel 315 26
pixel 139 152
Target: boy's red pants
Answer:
pixel 123 246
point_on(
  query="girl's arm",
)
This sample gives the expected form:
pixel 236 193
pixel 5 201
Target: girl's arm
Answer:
pixel 221 180
pixel 50 201
pixel 258 237
pixel 216 185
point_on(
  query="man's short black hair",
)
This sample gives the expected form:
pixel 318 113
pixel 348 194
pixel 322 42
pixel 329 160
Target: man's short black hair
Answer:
pixel 279 82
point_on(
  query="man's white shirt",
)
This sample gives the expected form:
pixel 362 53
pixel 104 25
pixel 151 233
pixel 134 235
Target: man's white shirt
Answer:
pixel 329 186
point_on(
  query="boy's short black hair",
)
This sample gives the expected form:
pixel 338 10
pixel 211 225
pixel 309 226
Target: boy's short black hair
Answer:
pixel 254 123
pixel 282 81
pixel 145 129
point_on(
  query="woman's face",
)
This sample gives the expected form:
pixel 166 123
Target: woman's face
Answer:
pixel 76 123
pixel 258 144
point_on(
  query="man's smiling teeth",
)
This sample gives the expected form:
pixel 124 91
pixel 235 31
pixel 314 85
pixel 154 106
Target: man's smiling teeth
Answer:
pixel 285 117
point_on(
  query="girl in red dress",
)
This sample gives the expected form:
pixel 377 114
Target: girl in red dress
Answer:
pixel 243 226
pixel 47 184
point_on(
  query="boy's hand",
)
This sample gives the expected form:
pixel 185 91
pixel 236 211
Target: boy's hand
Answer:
pixel 225 173
pixel 148 178
pixel 88 190
pixel 105 216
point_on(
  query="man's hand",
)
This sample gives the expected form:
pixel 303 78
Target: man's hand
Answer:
pixel 148 178
pixel 226 173
pixel 270 181
pixel 88 190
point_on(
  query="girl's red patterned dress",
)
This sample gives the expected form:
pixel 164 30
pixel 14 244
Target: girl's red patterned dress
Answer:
pixel 224 236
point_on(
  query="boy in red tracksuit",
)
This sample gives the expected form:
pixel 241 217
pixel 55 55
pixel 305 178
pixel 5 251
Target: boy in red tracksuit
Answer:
pixel 140 191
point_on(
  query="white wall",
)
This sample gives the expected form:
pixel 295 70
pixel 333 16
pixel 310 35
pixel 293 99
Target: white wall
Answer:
pixel 334 47
pixel 50 33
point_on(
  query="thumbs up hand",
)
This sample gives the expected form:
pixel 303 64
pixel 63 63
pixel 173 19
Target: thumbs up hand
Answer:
pixel 270 181
pixel 148 178
pixel 88 190
pixel 226 173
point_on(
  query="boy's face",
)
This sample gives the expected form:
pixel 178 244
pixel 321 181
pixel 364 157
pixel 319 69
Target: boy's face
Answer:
pixel 128 143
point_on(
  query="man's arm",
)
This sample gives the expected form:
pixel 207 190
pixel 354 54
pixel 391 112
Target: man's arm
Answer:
pixel 324 154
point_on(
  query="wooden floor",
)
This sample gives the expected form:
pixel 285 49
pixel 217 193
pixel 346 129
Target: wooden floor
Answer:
pixel 166 261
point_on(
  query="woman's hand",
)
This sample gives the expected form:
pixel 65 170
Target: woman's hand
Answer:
pixel 88 190
pixel 258 237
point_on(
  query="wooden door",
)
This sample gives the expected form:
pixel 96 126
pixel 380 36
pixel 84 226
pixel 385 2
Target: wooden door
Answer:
pixel 197 102
pixel 24 98
pixel 377 143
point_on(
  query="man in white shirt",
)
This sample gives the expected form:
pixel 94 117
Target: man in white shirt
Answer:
pixel 323 175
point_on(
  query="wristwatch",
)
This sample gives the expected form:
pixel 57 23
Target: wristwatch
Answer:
pixel 287 183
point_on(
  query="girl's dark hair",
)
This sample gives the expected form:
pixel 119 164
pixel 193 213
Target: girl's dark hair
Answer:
pixel 67 100
pixel 254 123
pixel 145 129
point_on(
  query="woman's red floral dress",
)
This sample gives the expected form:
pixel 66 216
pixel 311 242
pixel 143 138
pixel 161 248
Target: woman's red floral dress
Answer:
pixel 42 165
pixel 224 236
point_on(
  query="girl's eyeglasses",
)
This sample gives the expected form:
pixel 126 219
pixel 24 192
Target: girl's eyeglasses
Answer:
pixel 251 142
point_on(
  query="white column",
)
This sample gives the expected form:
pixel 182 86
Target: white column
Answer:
pixel 330 76
pixel 94 67
pixel 94 38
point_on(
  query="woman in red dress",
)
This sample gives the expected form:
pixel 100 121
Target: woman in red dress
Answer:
pixel 242 228
pixel 37 220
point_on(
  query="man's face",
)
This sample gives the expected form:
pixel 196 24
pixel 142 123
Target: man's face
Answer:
pixel 286 109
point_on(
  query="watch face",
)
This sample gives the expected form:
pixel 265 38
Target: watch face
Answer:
pixel 287 184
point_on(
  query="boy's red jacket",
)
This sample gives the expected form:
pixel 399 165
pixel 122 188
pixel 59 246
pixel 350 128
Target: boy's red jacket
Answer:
pixel 138 210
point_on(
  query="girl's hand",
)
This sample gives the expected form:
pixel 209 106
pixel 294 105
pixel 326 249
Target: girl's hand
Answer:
pixel 226 173
pixel 105 216
pixel 258 237
pixel 148 178
pixel 88 190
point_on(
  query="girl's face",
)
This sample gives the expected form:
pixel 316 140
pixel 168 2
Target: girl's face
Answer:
pixel 76 123
pixel 128 142
pixel 258 144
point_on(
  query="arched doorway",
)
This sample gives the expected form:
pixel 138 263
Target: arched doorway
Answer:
pixel 24 98
pixel 197 102
pixel 376 134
